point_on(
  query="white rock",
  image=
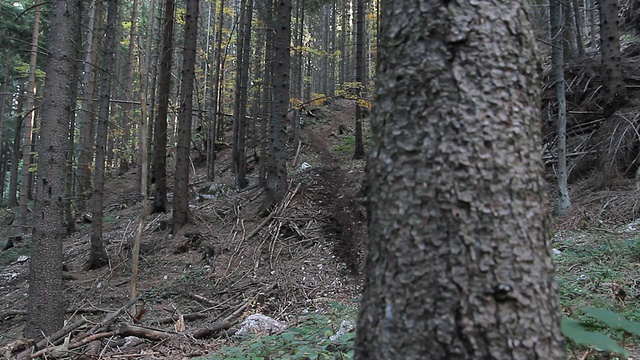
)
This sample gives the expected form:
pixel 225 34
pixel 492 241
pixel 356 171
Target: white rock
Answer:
pixel 305 166
pixel 260 324
pixel 345 327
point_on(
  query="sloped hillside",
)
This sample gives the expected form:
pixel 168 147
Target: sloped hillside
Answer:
pixel 230 262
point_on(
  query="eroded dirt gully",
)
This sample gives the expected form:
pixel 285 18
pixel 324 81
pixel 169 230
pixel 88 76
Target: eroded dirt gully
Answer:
pixel 229 262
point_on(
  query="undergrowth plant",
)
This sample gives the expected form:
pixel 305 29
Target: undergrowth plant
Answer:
pixel 596 275
pixel 308 340
pixel 597 335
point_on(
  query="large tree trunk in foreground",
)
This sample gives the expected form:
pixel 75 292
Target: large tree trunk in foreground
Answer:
pixel 45 313
pixel 459 256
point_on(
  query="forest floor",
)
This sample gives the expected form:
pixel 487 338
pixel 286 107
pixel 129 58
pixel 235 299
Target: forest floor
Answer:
pixel 229 262
pixel 301 266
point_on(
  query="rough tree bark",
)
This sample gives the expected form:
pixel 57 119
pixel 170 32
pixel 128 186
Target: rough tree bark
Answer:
pixel 276 167
pixel 124 143
pixel 87 117
pixel 181 187
pixel 615 93
pixel 557 61
pixel 215 103
pixel 241 94
pixel 360 69
pixel 27 128
pixel 459 257
pixel 45 313
pixel 159 170
pixel 97 254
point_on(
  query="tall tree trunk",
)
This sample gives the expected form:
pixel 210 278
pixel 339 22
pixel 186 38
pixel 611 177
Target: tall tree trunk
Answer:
pixel 568 30
pixel 615 92
pixel 343 42
pixel 27 127
pixel 97 254
pixel 577 19
pixel 591 11
pixel 160 125
pixel 276 185
pixel 125 146
pixel 87 117
pixel 45 312
pixel 324 80
pixel 267 93
pixel 145 65
pixel 360 69
pixel 459 254
pixel 144 164
pixel 242 79
pixel 215 105
pixel 4 99
pixel 181 187
pixel 332 50
pixel 557 61
pixel 15 155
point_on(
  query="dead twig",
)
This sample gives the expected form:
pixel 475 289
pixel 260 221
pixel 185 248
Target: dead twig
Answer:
pixel 53 339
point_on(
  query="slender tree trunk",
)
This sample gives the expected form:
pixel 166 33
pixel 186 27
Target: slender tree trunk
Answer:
pixel 3 153
pixel 97 254
pixel 332 49
pixel 144 163
pixel 160 126
pixel 181 187
pixel 360 69
pixel 27 127
pixel 145 65
pixel 615 92
pixel 211 134
pixel 125 146
pixel 343 42
pixel 579 27
pixel 87 117
pixel 45 312
pixel 267 94
pixel 568 30
pixel 15 155
pixel 591 10
pixel 242 79
pixel 277 183
pixel 324 80
pixel 557 60
pixel 459 250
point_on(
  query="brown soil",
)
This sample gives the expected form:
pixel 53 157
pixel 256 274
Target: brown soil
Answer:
pixel 303 259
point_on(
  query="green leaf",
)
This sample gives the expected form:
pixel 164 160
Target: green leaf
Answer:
pixel 613 320
pixel 575 331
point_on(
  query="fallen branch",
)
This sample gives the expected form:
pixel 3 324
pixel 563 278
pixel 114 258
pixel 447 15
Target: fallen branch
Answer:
pixel 131 330
pixel 203 299
pixel 11 312
pixel 209 330
pixel 76 344
pixel 108 319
